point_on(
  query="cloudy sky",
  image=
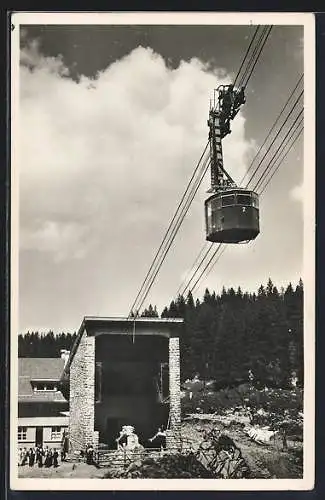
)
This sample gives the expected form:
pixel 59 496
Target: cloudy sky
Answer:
pixel 112 123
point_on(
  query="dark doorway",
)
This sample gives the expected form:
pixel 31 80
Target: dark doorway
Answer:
pixel 39 436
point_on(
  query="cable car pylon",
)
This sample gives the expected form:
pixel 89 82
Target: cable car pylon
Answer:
pixel 231 212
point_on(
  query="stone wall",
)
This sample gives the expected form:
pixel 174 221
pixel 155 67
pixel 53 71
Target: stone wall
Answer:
pixel 173 433
pixel 82 395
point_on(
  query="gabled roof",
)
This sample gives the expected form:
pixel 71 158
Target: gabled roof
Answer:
pixel 39 369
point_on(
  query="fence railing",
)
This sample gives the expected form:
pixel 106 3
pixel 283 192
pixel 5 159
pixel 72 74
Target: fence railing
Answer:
pixel 124 457
pixel 103 457
pixel 124 460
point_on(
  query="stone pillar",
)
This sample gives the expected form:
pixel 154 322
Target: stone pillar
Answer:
pixel 173 436
pixel 89 391
pixel 82 395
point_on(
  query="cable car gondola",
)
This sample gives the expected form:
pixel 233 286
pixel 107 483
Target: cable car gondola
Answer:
pixel 232 216
pixel 231 212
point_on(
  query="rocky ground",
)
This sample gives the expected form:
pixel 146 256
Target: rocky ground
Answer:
pixel 265 461
pixel 265 425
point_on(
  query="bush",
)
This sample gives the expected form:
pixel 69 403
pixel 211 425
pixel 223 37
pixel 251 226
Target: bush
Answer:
pixel 169 466
pixel 271 400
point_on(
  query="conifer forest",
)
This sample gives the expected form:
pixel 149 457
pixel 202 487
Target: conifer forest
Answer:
pixel 226 336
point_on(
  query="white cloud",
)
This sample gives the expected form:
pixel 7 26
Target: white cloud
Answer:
pixel 111 156
pixel 63 240
pixel 30 57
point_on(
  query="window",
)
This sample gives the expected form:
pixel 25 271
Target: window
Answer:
pixel 244 199
pixel 164 380
pixel 255 200
pixel 208 217
pixel 48 386
pixel 55 433
pixel 98 382
pixel 228 200
pixel 22 433
pixel 216 203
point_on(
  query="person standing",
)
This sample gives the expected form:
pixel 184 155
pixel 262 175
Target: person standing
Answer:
pixel 90 455
pixel 24 457
pixel 55 458
pixel 48 457
pixel 64 445
pixel 39 456
pixel 122 438
pixel 132 438
pixel 159 439
pixel 31 457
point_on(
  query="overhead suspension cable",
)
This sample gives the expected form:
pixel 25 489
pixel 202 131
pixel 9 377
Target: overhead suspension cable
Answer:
pixel 180 214
pixel 218 255
pixel 276 136
pixel 178 217
pixel 295 125
pixel 175 230
pixel 266 153
pixel 250 62
pixel 205 248
pixel 266 33
pixel 281 161
pixel 244 78
pixel 217 252
pixel 272 128
pixel 198 267
pixel 246 54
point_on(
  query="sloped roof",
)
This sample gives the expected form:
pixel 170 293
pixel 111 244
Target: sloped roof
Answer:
pixel 42 397
pixel 39 369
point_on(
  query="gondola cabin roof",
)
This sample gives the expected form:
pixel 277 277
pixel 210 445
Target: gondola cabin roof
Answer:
pixel 232 191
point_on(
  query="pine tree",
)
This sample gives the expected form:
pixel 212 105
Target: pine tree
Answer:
pixel 207 296
pixel 165 313
pixel 269 288
pixel 224 336
pixel 189 300
pixel 151 312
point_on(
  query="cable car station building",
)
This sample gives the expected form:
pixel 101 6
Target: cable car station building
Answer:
pixel 123 372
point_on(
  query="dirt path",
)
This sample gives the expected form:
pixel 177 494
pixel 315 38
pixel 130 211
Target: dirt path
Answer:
pixel 65 470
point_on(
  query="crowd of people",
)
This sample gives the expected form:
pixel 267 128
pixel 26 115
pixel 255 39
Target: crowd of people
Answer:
pixel 49 457
pixel 39 457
